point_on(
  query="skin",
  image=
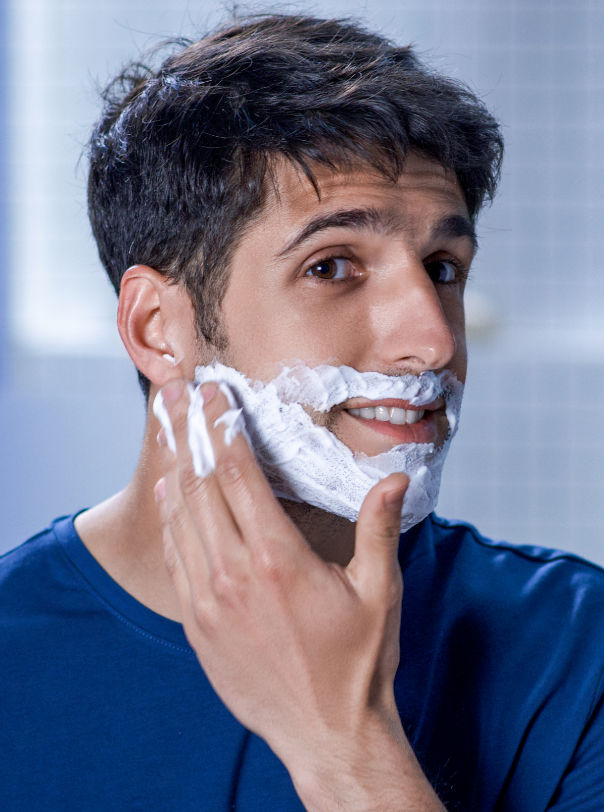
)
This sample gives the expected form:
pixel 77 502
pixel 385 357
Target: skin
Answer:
pixel 253 578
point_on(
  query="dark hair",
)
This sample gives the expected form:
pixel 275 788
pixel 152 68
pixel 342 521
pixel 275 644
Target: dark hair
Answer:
pixel 180 157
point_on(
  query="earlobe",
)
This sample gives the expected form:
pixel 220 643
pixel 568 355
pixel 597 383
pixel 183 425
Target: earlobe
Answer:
pixel 155 322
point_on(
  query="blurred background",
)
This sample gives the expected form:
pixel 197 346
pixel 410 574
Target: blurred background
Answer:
pixel 527 464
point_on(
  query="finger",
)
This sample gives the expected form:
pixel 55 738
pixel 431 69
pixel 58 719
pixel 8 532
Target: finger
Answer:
pixel 375 562
pixel 200 495
pixel 171 556
pixel 183 587
pixel 177 520
pixel 256 511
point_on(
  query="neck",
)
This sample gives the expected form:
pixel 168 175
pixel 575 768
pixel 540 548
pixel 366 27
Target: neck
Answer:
pixel 124 533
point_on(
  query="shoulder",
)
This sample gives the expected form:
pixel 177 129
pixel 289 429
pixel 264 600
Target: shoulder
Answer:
pixel 462 546
pixel 511 642
pixel 546 594
pixel 32 574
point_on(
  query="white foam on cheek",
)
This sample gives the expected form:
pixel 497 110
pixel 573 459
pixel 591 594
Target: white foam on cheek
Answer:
pixel 308 463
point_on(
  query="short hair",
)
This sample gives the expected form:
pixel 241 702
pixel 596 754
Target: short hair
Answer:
pixel 180 157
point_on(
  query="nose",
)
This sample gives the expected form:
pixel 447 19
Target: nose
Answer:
pixel 411 327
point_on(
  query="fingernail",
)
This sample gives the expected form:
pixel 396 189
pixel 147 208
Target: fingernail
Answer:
pixel 393 498
pixel 208 391
pixel 171 392
pixel 160 490
pixel 161 438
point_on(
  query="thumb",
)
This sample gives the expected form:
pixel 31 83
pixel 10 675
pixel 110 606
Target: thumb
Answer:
pixel 377 532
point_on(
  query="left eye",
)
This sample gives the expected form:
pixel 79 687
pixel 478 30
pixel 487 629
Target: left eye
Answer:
pixel 333 268
pixel 441 271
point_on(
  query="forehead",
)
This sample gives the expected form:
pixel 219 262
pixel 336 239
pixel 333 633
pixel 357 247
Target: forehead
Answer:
pixel 425 187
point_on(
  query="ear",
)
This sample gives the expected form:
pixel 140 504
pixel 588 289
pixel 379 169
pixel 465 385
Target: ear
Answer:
pixel 156 322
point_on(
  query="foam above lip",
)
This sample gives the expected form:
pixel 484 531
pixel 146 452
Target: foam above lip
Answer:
pixel 323 387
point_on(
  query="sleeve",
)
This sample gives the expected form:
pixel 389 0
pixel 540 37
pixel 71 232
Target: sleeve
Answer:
pixel 264 783
pixel 582 786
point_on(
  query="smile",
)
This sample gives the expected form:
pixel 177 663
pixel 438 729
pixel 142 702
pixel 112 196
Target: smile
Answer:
pixel 398 420
pixel 394 415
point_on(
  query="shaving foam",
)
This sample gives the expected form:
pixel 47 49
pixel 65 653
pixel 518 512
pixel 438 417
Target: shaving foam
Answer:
pixel 307 463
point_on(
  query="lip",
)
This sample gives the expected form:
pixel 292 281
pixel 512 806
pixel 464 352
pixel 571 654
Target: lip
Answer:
pixel 425 430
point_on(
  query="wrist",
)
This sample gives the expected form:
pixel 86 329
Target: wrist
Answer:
pixel 374 772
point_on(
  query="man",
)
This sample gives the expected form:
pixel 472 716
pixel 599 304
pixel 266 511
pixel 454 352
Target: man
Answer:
pixel 292 188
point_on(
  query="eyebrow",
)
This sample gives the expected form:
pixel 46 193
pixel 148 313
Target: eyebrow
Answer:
pixel 455 225
pixel 378 220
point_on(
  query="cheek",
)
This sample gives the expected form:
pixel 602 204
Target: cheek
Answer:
pixel 459 364
pixel 264 329
pixel 455 315
pixel 334 332
pixel 267 327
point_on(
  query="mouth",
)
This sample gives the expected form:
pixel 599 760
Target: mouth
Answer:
pixel 397 419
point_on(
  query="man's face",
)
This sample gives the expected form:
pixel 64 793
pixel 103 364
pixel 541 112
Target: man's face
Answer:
pixel 371 276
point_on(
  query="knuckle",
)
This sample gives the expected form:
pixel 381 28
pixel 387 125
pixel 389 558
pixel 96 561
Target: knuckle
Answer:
pixel 226 586
pixel 394 592
pixel 391 529
pixel 232 471
pixel 271 568
pixel 175 519
pixel 204 612
pixel 190 483
pixel 178 417
pixel 170 557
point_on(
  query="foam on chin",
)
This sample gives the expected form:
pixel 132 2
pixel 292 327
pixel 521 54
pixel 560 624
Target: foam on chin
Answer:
pixel 308 463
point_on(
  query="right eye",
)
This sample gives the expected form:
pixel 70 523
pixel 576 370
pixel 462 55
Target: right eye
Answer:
pixel 445 271
pixel 334 269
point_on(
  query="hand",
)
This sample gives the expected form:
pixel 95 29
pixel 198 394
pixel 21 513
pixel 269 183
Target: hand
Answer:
pixel 301 651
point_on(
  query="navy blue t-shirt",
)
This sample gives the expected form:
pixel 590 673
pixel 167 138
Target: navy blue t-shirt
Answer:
pixel 105 706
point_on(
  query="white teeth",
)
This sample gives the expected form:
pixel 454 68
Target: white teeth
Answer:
pixel 413 416
pixel 382 413
pixel 396 416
